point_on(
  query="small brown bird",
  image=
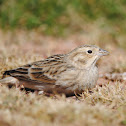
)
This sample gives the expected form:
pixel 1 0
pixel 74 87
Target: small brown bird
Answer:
pixel 68 73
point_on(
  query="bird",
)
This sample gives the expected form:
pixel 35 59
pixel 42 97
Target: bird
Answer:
pixel 69 74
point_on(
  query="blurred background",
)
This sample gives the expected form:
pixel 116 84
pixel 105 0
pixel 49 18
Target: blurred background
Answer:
pixel 46 27
pixel 31 30
pixel 63 18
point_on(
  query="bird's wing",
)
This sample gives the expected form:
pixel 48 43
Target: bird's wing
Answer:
pixel 44 71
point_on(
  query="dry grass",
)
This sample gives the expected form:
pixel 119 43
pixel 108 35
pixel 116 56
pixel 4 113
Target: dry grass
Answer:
pixel 102 106
pixel 105 106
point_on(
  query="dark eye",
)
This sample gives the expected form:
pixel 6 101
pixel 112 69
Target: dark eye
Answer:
pixel 89 51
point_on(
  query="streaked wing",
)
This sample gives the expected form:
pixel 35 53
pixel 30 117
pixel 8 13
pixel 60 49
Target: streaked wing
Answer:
pixel 44 71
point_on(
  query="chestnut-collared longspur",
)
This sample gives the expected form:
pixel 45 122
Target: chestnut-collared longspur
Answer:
pixel 68 73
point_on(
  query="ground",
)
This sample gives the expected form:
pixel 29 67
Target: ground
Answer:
pixel 103 105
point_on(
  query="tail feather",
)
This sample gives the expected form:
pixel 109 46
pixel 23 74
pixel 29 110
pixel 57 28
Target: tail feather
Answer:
pixel 5 74
pixel 9 81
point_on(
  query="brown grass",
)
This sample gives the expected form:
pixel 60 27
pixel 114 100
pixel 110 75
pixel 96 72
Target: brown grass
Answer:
pixel 102 106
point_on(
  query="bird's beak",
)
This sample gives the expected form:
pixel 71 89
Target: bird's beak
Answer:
pixel 103 52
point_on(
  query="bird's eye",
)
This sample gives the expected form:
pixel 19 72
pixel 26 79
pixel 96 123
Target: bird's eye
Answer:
pixel 89 51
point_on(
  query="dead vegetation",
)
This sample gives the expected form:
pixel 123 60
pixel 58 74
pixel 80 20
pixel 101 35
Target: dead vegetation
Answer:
pixel 104 105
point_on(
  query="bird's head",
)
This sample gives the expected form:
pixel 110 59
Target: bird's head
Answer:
pixel 86 56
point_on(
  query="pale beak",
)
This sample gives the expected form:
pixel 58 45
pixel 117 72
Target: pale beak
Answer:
pixel 103 52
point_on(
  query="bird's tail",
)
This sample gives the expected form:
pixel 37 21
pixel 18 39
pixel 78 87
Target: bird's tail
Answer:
pixel 9 81
pixel 5 74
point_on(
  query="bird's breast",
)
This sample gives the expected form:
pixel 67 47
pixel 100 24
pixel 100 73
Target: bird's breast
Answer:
pixel 78 80
pixel 87 78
